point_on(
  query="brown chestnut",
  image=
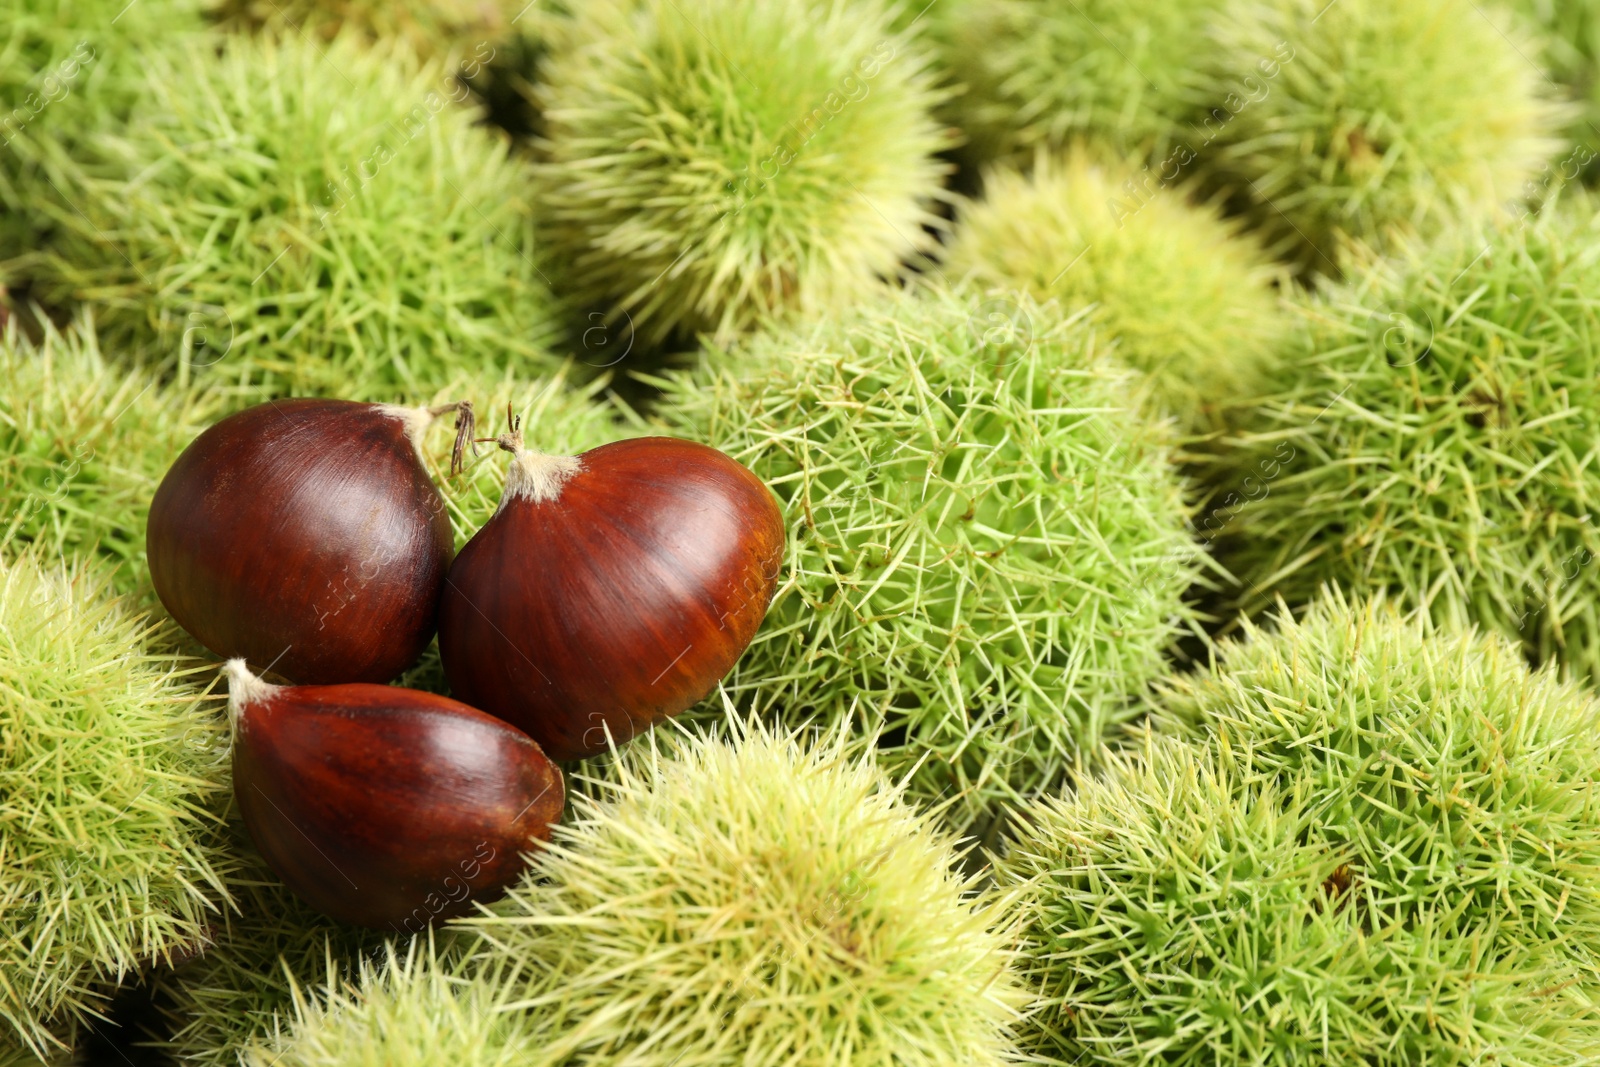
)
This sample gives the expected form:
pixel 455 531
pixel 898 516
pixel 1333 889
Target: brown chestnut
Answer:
pixel 610 590
pixel 305 536
pixel 384 806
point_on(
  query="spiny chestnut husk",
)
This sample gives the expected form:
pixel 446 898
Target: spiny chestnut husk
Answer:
pixel 305 536
pixel 383 806
pixel 610 590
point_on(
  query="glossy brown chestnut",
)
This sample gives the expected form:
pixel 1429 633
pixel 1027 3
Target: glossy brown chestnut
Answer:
pixel 383 806
pixel 611 589
pixel 305 536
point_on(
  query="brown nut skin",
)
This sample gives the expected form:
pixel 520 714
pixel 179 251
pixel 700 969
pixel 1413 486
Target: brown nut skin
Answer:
pixel 387 807
pixel 614 594
pixel 304 536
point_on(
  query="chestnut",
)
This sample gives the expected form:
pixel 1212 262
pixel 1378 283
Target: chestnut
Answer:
pixel 383 806
pixel 306 536
pixel 610 590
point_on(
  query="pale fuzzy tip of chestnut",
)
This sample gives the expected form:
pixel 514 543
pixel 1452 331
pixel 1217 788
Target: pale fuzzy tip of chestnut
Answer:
pixel 536 477
pixel 244 689
pixel 416 420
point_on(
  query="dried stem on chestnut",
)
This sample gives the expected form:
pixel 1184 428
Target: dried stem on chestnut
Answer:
pixel 466 423
pixel 510 441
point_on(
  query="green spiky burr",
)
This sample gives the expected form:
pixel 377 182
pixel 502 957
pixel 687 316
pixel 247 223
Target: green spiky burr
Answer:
pixel 1379 117
pixel 410 1008
pixel 988 548
pixel 453 27
pixel 269 958
pixel 67 68
pixel 357 242
pixel 1431 433
pixel 84 443
pixel 493 47
pixel 708 162
pixel 1379 845
pixel 111 759
pixel 765 898
pixel 1568 32
pixel 1185 298
pixel 1042 74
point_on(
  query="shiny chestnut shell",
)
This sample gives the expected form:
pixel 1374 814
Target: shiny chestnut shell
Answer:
pixel 387 807
pixel 620 600
pixel 305 536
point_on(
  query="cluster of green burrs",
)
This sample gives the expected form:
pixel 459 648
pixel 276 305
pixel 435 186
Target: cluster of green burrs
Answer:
pixel 109 759
pixel 1321 123
pixel 1431 432
pixel 1377 845
pixel 1070 336
pixel 365 241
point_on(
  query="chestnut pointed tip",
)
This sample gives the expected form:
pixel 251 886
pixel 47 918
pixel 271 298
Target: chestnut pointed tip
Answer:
pixel 244 688
pixel 415 420
pixel 537 477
